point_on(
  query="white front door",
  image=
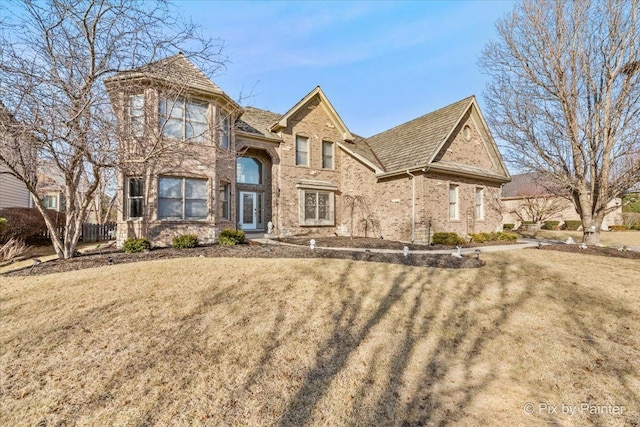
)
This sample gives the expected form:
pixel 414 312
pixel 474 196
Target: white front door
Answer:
pixel 248 210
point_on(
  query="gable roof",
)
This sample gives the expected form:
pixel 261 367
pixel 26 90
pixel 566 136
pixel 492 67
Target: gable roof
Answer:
pixel 333 114
pixel 414 143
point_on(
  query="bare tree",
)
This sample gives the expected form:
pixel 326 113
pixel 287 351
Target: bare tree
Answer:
pixel 539 208
pixel 54 56
pixel 565 96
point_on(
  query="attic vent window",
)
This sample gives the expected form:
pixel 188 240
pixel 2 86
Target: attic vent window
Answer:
pixel 466 132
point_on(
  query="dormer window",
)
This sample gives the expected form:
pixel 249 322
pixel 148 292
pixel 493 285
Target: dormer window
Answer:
pixel 182 119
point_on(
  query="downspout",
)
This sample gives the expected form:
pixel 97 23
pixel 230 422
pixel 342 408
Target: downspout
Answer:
pixel 413 206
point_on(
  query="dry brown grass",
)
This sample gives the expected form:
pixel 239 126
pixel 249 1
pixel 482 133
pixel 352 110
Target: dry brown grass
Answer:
pixel 322 342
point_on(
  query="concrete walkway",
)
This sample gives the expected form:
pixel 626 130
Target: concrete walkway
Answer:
pixel 522 243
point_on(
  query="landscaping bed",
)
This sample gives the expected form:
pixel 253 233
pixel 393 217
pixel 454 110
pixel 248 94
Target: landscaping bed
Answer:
pixel 99 258
pixel 593 250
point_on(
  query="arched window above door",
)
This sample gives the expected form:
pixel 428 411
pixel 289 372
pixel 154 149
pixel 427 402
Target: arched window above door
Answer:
pixel 248 171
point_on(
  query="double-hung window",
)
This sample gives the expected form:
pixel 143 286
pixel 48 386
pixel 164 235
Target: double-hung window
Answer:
pixel 136 115
pixel 480 203
pixel 453 202
pixel 183 119
pixel 302 151
pixel 182 198
pixel 327 155
pixel 134 197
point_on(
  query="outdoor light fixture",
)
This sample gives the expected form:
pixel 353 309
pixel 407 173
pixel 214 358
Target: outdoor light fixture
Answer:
pixel 312 243
pixel 405 251
pixel 477 251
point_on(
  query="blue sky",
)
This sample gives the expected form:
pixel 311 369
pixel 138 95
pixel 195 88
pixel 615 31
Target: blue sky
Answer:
pixel 380 63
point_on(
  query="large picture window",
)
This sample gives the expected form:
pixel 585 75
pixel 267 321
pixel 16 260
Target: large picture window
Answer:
pixel 302 151
pixel 134 197
pixel 182 198
pixel 182 119
pixel 316 207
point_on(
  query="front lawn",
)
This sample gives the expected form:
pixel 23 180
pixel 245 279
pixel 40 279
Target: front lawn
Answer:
pixel 218 341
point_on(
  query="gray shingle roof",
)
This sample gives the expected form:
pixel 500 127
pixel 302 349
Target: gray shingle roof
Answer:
pixel 361 147
pixel 414 142
pixel 257 121
pixel 527 184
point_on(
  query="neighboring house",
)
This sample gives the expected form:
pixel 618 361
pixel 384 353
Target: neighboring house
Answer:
pixel 528 195
pixel 51 187
pixel 13 192
pixel 194 161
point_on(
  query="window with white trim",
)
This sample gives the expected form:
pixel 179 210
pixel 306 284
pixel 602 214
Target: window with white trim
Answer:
pixel 327 155
pixel 316 207
pixel 134 197
pixel 50 201
pixel 302 150
pixel 182 119
pixel 182 198
pixel 136 115
pixel 223 202
pixel 479 203
pixel 453 201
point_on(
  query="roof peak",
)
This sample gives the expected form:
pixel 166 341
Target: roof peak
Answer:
pixel 453 104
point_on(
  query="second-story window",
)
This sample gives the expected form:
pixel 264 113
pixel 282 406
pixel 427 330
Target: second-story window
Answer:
pixel 136 115
pixel 302 151
pixel 182 119
pixel 327 155
pixel 225 130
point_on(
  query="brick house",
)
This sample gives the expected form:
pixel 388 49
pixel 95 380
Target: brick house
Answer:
pixel 194 161
pixel 530 194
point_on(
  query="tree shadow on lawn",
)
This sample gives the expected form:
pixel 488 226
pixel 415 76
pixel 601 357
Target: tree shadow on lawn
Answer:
pixel 410 349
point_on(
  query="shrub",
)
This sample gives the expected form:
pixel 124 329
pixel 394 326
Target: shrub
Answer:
pixel 635 227
pixel 27 223
pixel 185 241
pixel 133 245
pixel 482 237
pixel 508 226
pixel 506 237
pixel 494 237
pixel 447 239
pixel 618 227
pixel 572 224
pixel 230 237
pixel 12 249
pixel 550 225
pixel 3 224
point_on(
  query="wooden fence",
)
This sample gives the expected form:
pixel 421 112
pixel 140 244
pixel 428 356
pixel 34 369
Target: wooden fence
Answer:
pixel 91 232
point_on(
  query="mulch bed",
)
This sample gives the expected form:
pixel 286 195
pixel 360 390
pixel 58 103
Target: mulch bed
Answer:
pixel 253 250
pixel 593 250
pixel 370 243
